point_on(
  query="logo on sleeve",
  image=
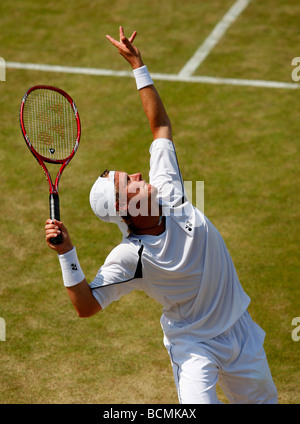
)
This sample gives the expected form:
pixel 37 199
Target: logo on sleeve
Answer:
pixel 74 267
pixel 188 225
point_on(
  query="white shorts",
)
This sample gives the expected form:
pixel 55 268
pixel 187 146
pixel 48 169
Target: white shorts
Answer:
pixel 236 359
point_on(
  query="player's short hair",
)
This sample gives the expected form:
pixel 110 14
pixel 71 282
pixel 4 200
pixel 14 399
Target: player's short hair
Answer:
pixel 104 173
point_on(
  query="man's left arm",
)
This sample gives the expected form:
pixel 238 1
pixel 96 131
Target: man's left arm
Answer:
pixel 78 288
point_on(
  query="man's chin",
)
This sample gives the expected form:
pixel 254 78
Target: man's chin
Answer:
pixel 153 190
pixel 154 202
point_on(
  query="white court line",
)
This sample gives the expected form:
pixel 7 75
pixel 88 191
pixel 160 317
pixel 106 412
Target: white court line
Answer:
pixel 214 37
pixel 155 76
pixel 67 69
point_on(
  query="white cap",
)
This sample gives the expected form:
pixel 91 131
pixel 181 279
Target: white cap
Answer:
pixel 103 199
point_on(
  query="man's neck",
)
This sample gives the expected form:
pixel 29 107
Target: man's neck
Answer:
pixel 153 226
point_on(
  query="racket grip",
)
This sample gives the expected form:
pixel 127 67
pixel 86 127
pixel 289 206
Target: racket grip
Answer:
pixel 55 214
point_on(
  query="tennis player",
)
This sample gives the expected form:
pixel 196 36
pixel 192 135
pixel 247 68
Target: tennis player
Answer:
pixel 171 251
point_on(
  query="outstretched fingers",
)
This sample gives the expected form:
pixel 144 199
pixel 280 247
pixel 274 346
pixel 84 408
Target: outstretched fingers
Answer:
pixel 131 39
pixel 113 41
pixel 121 32
pixel 123 40
pixel 127 49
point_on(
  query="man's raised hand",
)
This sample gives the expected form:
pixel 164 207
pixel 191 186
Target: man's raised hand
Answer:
pixel 126 49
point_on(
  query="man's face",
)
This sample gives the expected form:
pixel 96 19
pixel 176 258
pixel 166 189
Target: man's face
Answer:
pixel 139 196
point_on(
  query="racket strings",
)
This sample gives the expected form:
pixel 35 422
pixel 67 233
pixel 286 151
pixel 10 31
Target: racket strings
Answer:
pixel 50 124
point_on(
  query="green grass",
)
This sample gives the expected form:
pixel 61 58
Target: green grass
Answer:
pixel 243 142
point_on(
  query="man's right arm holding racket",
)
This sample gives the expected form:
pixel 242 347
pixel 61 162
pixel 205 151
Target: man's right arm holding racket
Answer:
pixel 80 292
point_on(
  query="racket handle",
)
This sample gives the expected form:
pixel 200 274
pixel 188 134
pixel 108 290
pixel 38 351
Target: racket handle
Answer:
pixel 55 214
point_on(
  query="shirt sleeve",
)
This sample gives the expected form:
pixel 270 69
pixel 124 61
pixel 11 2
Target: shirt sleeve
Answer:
pixel 165 173
pixel 119 275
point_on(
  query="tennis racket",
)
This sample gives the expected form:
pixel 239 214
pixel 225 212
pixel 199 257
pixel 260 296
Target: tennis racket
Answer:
pixel 51 128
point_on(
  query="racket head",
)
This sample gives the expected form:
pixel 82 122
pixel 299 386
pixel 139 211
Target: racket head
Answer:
pixel 50 124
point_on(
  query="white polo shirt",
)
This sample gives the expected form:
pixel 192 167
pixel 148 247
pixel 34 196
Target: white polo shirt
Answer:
pixel 187 269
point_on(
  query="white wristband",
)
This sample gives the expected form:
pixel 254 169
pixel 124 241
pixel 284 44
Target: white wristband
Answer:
pixel 71 270
pixel 142 77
